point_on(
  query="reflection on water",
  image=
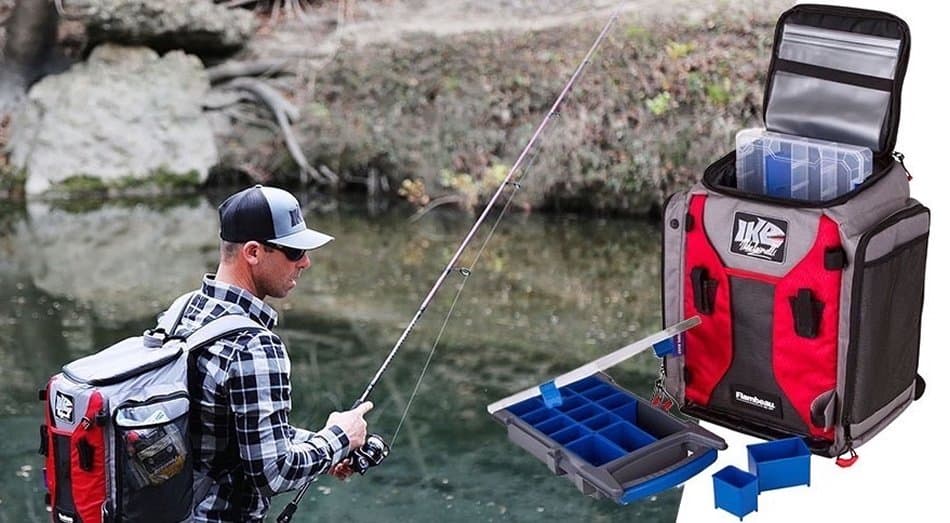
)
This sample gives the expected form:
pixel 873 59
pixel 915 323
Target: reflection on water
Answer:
pixel 548 294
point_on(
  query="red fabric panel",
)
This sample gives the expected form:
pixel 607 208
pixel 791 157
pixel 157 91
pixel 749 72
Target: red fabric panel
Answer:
pixel 708 347
pixel 89 487
pixel 806 367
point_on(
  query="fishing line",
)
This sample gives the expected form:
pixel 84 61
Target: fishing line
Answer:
pixel 373 454
pixel 466 273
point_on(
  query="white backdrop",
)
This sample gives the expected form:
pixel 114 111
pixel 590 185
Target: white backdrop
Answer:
pixel 900 474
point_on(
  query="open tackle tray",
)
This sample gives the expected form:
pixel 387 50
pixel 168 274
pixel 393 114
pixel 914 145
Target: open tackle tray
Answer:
pixel 610 442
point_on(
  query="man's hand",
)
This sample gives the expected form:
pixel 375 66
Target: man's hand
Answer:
pixel 352 423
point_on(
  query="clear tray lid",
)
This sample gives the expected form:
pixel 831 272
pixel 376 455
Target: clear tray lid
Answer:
pixel 836 74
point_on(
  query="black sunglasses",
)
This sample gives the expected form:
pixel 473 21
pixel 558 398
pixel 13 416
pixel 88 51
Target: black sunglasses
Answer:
pixel 291 253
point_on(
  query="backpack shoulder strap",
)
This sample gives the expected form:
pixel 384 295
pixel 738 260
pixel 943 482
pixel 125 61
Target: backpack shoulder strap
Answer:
pixel 172 317
pixel 220 328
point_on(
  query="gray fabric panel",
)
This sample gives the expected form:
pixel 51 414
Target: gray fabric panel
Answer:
pixel 897 234
pixel 887 196
pixel 806 106
pixel 673 239
pixel 110 461
pixel 79 394
pixel 827 403
pixel 165 322
pixel 673 244
pixel 230 323
pixel 842 50
pixel 802 230
pixel 752 369
pixel 120 358
pixel 862 432
pixel 844 324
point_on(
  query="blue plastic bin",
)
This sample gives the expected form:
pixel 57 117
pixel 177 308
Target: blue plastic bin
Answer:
pixel 736 491
pixel 780 463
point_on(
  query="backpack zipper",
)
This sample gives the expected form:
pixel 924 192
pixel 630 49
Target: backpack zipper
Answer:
pixel 899 156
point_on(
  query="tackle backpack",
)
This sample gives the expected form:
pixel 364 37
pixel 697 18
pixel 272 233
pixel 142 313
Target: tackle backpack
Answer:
pixel 116 436
pixel 811 309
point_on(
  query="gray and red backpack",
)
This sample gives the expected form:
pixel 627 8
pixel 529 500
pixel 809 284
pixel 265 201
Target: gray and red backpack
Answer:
pixel 116 436
pixel 810 310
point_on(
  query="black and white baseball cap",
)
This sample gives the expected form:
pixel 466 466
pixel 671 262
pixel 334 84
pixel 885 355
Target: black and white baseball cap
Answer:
pixel 267 214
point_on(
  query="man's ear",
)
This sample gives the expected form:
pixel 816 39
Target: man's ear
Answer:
pixel 252 252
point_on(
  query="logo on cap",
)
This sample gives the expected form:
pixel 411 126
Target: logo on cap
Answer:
pixel 295 217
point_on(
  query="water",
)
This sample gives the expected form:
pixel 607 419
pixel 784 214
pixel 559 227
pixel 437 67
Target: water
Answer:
pixel 549 293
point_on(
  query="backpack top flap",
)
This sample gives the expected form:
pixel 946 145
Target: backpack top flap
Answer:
pixel 836 74
pixel 126 359
pixel 134 356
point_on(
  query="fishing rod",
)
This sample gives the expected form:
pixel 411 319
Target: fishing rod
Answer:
pixel 375 449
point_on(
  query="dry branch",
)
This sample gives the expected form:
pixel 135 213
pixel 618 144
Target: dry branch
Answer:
pixel 229 70
pixel 285 113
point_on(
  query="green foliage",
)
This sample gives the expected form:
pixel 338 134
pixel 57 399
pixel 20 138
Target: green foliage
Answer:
pixel 719 93
pixel 637 34
pixel 12 182
pixel 318 111
pixel 159 182
pixel 81 184
pixel 677 50
pixel 164 179
pixel 660 104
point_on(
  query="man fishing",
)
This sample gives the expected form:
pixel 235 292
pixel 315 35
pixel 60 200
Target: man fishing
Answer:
pixel 245 450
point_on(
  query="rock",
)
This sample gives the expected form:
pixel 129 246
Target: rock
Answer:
pixel 124 115
pixel 141 256
pixel 201 28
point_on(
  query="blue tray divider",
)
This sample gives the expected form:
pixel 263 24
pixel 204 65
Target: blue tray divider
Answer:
pixel 615 401
pixel 595 449
pixel 585 412
pixel 550 394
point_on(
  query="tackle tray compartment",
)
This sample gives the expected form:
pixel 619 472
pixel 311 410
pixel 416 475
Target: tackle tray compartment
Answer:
pixel 610 442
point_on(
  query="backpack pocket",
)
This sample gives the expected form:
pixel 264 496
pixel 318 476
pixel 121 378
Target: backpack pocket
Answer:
pixel 153 459
pixel 886 302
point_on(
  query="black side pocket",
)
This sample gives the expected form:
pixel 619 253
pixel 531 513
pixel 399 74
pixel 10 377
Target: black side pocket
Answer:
pixel 63 503
pixel 704 290
pixel 888 298
pixel 806 311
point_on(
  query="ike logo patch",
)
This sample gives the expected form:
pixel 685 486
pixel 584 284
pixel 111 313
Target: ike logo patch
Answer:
pixel 759 237
pixel 63 407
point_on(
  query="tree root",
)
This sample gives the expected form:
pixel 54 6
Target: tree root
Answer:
pixel 228 70
pixel 444 200
pixel 285 113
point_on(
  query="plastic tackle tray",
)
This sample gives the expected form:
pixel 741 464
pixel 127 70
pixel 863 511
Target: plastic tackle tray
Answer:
pixel 608 441
pixel 787 166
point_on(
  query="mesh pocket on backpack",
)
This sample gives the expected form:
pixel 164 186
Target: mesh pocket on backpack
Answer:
pixel 154 463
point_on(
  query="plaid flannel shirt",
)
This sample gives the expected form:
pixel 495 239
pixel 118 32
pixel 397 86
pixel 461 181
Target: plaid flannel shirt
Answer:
pixel 240 400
